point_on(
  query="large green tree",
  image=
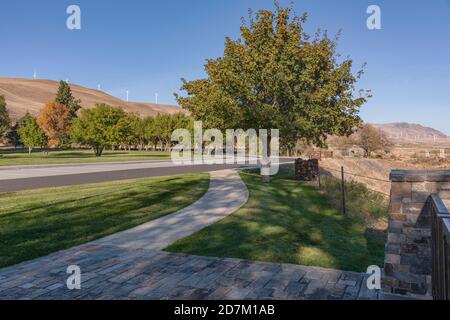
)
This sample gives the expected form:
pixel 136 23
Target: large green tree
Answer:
pixel 31 134
pixel 65 97
pixel 275 76
pixel 98 127
pixel 5 121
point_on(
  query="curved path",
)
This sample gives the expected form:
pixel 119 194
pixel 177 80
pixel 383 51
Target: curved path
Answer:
pixel 131 265
pixel 226 194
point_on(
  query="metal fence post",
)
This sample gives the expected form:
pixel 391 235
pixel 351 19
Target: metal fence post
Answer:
pixel 344 209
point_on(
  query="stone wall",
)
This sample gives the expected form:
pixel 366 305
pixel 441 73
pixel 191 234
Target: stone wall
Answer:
pixel 407 267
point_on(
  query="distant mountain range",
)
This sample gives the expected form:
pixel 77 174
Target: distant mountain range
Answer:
pixel 24 95
pixel 410 132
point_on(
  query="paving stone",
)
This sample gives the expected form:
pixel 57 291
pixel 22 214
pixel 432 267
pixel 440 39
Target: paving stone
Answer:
pixel 26 286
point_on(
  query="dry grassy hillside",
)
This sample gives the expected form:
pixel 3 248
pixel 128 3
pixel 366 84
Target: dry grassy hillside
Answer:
pixel 24 95
pixel 374 173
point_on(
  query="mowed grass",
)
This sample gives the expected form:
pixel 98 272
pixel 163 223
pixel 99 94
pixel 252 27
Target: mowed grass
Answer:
pixel 21 157
pixel 288 221
pixel 36 223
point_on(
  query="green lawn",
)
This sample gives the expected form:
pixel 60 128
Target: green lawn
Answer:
pixel 36 223
pixel 21 157
pixel 293 222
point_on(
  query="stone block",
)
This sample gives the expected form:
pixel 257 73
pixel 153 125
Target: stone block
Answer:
pixel 413 208
pixel 396 238
pixel 390 282
pixel 443 186
pixel 395 208
pixel 419 187
pixel 420 196
pixel 424 187
pixel 392 248
pixel 401 190
pixel 444 194
pixel 395 225
pixel 409 248
pixel 392 258
pixel 389 269
pixel 397 217
pixel 411 220
pixel 404 268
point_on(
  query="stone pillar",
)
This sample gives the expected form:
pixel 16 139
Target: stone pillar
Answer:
pixel 407 264
pixel 306 170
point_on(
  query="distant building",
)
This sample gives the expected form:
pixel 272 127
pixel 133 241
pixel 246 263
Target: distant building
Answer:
pixel 356 152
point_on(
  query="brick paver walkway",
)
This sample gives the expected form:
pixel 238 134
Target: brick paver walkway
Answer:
pixel 131 265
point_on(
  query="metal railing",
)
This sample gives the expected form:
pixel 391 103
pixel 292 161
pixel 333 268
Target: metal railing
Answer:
pixel 440 247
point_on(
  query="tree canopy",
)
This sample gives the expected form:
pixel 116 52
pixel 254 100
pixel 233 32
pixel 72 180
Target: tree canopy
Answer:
pixel 97 127
pixel 370 139
pixel 65 97
pixel 276 76
pixel 31 134
pixel 55 120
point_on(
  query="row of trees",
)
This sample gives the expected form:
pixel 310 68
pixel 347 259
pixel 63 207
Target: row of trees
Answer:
pixel 105 126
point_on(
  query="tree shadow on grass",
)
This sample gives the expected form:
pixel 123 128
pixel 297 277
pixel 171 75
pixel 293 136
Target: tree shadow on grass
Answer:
pixel 58 225
pixel 289 222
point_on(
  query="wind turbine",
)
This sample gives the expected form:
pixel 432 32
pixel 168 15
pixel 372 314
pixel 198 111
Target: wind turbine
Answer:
pixel 156 98
pixel 34 75
pixel 128 95
pixel 99 87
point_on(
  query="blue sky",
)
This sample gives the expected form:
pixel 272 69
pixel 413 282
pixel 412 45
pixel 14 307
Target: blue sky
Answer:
pixel 146 46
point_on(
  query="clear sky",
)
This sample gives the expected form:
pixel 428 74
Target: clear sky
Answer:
pixel 146 46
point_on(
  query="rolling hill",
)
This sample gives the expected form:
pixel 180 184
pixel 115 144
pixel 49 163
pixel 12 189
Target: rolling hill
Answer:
pixel 24 95
pixel 409 131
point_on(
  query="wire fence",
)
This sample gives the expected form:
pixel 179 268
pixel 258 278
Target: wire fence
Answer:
pixel 341 175
pixel 356 175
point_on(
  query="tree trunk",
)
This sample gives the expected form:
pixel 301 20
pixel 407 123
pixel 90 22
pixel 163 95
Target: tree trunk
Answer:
pixel 98 151
pixel 29 150
pixel 265 178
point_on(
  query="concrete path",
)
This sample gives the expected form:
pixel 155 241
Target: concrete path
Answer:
pixel 226 194
pixel 131 265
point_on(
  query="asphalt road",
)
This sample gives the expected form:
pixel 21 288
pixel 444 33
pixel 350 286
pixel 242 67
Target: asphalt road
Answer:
pixel 82 178
pixel 60 177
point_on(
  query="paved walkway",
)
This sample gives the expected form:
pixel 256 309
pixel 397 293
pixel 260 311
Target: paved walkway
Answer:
pixel 131 265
